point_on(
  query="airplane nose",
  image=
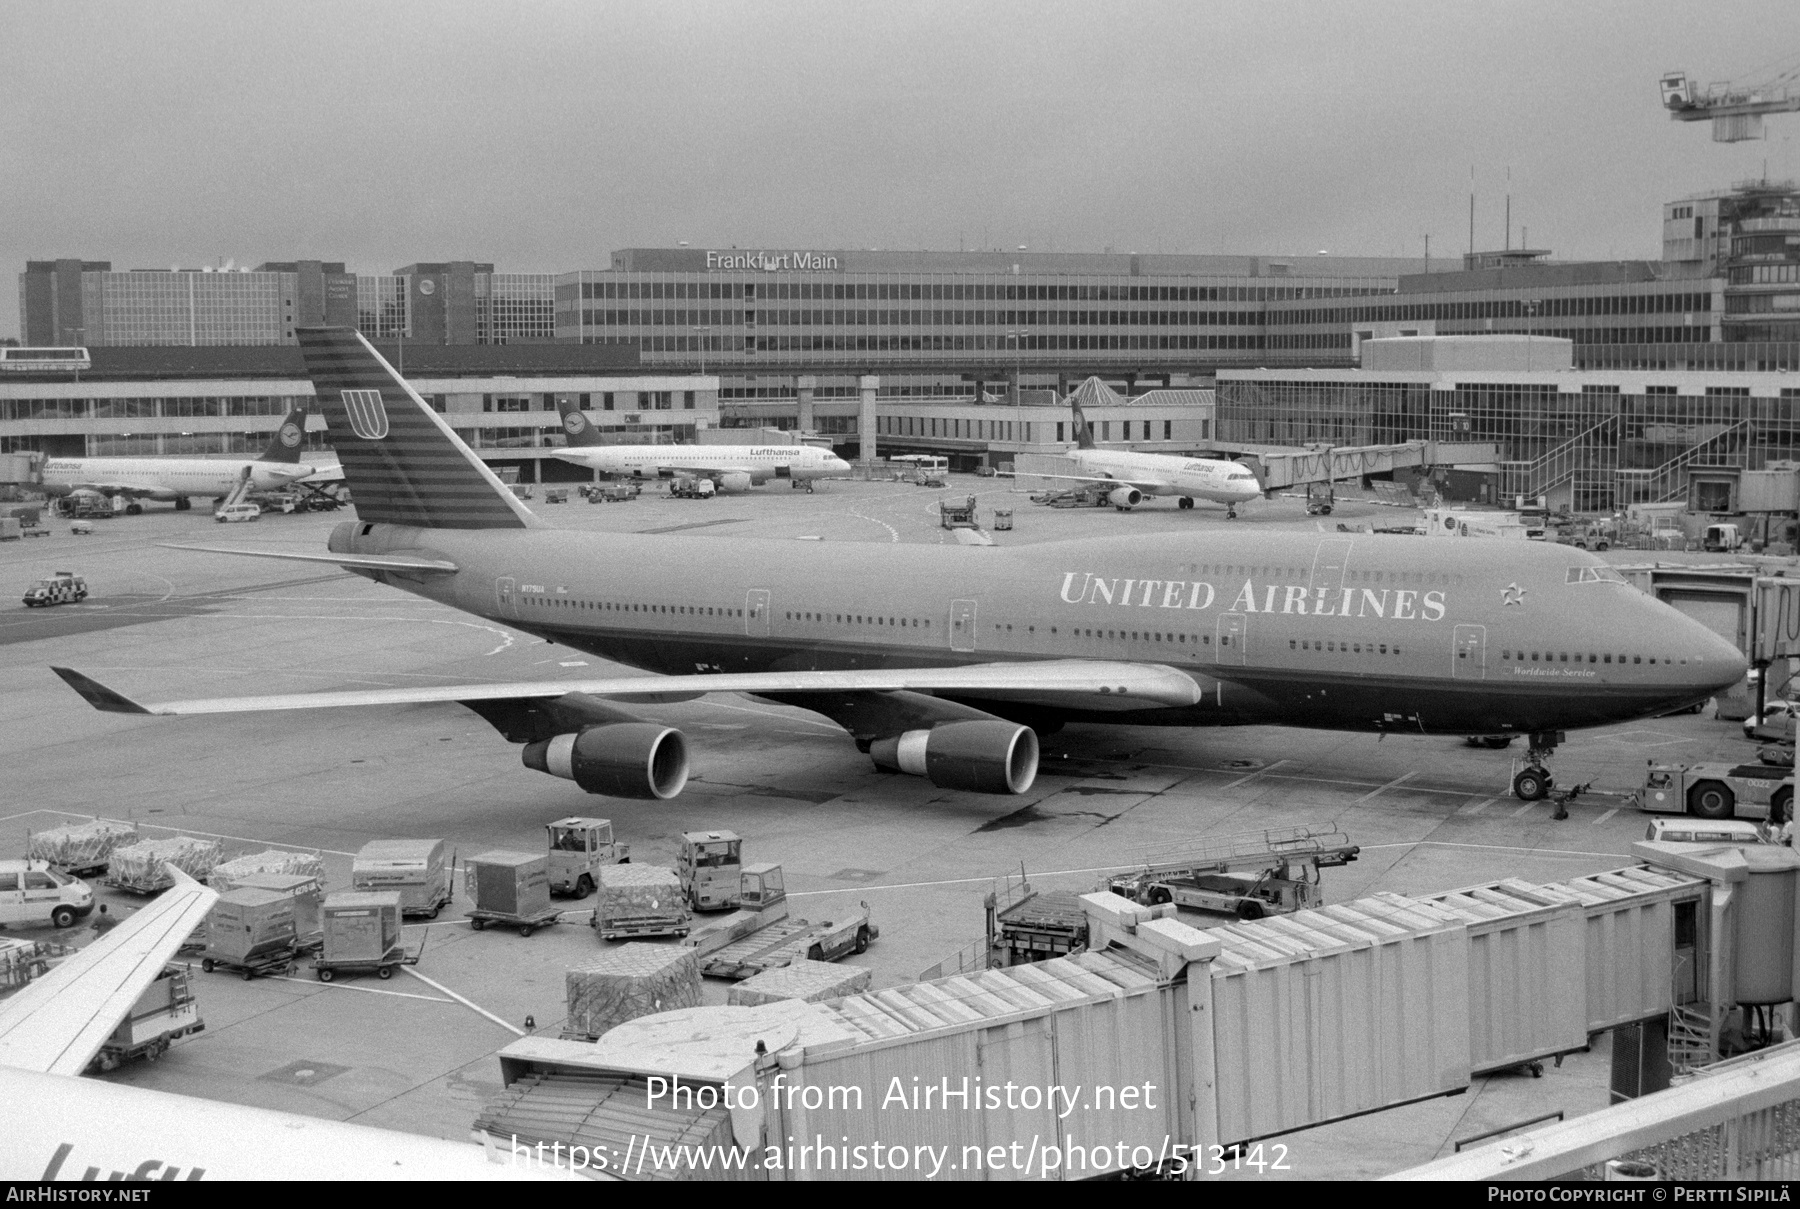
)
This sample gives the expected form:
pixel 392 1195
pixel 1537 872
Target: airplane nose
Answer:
pixel 1720 664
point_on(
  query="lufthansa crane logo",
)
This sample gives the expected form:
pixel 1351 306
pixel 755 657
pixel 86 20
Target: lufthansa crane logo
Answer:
pixel 575 423
pixel 290 436
pixel 368 417
pixel 1512 594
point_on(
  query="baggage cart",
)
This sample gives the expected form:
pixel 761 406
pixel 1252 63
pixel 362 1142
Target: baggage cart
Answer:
pixel 308 893
pixel 362 936
pixel 511 889
pixel 251 931
pixel 165 1012
pixel 413 867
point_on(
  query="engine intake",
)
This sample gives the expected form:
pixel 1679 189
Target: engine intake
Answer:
pixel 1125 497
pixel 978 756
pixel 735 481
pixel 619 759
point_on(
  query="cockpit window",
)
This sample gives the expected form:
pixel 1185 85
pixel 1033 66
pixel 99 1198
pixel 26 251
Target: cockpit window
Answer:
pixel 1595 575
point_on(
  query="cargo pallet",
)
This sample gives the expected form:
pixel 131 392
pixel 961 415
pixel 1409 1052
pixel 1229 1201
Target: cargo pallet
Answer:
pixel 266 965
pixel 640 925
pixel 325 969
pixel 526 924
pixel 141 888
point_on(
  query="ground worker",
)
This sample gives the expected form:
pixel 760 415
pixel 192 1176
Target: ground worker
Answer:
pixel 103 923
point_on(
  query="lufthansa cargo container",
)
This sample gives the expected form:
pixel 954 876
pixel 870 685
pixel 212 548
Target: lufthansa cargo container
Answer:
pixel 360 926
pixel 247 924
pixel 510 883
pixel 414 868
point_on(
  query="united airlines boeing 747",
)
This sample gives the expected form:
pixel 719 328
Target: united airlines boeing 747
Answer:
pixel 947 662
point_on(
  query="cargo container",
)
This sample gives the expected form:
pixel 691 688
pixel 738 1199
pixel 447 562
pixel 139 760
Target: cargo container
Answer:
pixel 361 935
pixel 809 981
pixel 81 849
pixel 308 894
pixel 251 931
pixel 629 981
pixel 165 1012
pixel 640 900
pixel 512 889
pixel 415 868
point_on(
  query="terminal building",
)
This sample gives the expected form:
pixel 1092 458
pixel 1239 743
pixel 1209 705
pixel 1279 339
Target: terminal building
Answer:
pixel 970 353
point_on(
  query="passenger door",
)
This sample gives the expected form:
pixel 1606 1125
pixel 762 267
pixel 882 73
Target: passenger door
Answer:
pixel 1328 567
pixel 756 612
pixel 1233 638
pixel 1470 659
pixel 962 625
pixel 506 597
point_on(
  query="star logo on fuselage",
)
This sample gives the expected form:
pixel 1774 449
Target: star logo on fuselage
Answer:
pixel 1512 594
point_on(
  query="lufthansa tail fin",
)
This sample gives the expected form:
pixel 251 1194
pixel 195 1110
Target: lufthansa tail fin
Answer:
pixel 290 438
pixel 403 464
pixel 576 425
pixel 1084 436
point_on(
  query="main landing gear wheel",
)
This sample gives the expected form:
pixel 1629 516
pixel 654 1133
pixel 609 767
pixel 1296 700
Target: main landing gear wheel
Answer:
pixel 1230 514
pixel 1186 501
pixel 1531 784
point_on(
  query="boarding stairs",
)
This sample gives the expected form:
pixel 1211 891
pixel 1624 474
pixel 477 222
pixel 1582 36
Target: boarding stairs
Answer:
pixel 1669 481
pixel 1593 448
pixel 1691 1037
pixel 240 494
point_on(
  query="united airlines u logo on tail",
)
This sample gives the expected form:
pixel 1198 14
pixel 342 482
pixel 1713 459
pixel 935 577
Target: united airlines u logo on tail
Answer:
pixel 368 417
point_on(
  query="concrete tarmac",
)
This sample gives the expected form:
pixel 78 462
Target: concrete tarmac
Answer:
pixel 1430 812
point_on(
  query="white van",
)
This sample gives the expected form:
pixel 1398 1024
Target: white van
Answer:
pixel 237 512
pixel 1703 831
pixel 33 892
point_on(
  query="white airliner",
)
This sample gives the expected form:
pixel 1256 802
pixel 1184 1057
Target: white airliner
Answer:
pixel 726 467
pixel 179 479
pixel 55 1125
pixel 1142 474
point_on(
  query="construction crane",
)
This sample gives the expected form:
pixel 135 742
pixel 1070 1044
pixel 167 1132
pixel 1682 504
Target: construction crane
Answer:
pixel 1735 109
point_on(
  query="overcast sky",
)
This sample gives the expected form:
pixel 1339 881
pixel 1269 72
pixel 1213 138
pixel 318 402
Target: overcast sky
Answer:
pixel 542 136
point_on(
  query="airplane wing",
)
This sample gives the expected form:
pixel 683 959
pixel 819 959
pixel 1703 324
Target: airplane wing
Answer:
pixel 1093 684
pixel 714 468
pixel 57 1023
pixel 1147 486
pixel 128 490
pixel 364 562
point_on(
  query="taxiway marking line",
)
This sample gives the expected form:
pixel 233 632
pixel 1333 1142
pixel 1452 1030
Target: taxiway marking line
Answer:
pixel 1380 789
pixel 1606 816
pixel 366 990
pixel 1478 807
pixel 1252 776
pixel 1521 810
pixel 470 1004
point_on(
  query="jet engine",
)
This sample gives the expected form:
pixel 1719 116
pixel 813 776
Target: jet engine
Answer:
pixel 979 756
pixel 1125 497
pixel 619 759
pixel 736 481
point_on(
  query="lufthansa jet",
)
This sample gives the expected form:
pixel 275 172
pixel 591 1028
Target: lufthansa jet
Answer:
pixel 726 467
pixel 178 479
pixel 1140 474
pixel 947 662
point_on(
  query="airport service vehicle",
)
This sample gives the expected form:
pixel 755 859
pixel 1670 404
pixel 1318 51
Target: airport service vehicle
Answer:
pixel 957 514
pixel 1718 791
pixel 718 467
pixel 237 513
pixel 1457 522
pixel 944 662
pixel 760 936
pixel 52 1029
pixel 64 587
pixel 691 487
pixel 1320 498
pixel 1700 831
pixel 166 1012
pixel 578 848
pixel 709 867
pixel 1583 536
pixel 134 480
pixel 1776 715
pixel 1128 476
pixel 1249 875
pixel 32 892
pixel 1720 539
pixel 640 900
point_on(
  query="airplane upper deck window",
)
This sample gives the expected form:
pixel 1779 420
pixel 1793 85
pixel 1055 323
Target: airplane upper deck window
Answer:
pixel 1594 575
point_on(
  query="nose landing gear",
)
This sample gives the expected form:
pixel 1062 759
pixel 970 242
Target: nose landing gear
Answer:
pixel 1532 783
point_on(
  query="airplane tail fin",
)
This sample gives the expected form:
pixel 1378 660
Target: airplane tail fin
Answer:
pixel 290 438
pixel 576 425
pixel 403 464
pixel 1084 435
